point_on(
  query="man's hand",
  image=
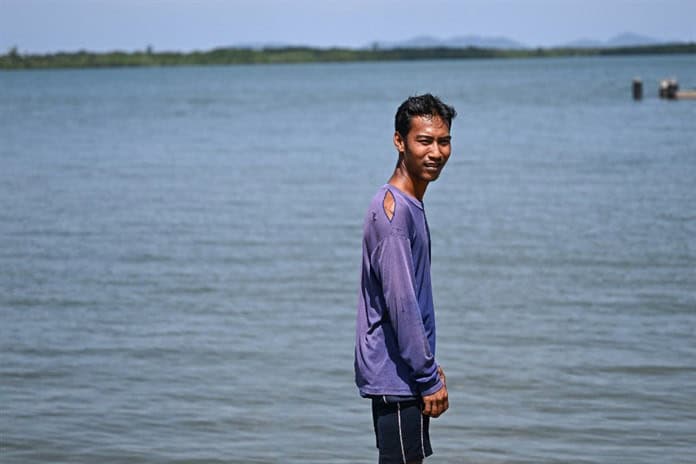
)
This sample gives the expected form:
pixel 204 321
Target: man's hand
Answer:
pixel 438 402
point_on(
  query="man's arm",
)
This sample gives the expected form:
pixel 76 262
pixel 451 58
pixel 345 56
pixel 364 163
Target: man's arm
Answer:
pixel 394 262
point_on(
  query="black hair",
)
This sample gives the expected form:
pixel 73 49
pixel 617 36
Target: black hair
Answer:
pixel 422 105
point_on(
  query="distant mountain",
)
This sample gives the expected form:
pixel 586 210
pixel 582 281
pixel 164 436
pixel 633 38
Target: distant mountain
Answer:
pixel 585 43
pixel 453 42
pixel 485 42
pixel 627 39
pixel 262 45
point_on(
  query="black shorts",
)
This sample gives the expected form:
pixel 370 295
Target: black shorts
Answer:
pixel 401 429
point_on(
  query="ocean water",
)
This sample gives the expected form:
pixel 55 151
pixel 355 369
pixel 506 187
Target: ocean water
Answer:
pixel 179 261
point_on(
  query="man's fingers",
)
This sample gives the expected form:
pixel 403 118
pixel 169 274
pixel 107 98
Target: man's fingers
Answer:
pixel 437 403
pixel 432 408
pixel 426 407
pixel 442 406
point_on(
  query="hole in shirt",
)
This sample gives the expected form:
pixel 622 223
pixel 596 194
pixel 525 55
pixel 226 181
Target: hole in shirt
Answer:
pixel 388 204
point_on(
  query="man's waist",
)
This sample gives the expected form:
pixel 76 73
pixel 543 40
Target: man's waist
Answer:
pixel 390 399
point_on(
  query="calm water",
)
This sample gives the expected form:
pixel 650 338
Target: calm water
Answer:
pixel 179 257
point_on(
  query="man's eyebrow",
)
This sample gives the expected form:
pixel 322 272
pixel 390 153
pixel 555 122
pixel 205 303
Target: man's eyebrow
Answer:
pixel 430 138
pixel 427 136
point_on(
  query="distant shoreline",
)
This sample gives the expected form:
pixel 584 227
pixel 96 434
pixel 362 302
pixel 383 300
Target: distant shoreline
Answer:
pixel 233 56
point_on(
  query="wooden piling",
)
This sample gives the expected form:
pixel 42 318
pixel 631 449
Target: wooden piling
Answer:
pixel 637 89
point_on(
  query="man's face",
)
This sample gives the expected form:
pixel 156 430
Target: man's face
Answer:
pixel 426 148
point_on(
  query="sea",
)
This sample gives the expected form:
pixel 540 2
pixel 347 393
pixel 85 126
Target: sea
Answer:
pixel 180 254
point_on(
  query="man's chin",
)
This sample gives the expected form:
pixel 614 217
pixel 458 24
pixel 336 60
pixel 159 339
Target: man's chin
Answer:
pixel 432 177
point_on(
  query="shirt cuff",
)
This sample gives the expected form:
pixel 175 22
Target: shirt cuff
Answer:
pixel 432 388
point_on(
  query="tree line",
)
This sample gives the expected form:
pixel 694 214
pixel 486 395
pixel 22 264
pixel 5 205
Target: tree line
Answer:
pixel 230 56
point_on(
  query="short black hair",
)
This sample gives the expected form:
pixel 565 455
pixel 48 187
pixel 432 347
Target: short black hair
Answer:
pixel 422 105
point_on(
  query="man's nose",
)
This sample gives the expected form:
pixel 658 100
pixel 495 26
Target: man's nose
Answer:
pixel 436 151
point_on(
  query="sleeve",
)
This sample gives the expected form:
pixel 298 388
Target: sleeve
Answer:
pixel 394 263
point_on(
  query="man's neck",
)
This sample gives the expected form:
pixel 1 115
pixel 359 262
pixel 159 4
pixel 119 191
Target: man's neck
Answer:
pixel 401 180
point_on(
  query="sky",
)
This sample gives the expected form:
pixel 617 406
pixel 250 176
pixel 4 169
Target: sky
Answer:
pixel 42 26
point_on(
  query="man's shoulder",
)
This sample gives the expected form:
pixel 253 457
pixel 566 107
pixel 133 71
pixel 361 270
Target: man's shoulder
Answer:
pixel 389 209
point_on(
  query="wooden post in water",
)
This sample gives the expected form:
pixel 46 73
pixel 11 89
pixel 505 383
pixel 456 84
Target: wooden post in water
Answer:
pixel 637 89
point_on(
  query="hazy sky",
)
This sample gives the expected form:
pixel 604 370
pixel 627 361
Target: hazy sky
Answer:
pixel 51 25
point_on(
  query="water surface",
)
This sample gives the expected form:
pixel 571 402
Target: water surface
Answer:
pixel 180 256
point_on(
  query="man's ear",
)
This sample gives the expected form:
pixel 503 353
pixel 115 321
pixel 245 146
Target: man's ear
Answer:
pixel 399 142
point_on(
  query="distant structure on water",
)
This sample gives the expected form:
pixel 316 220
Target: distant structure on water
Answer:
pixel 668 89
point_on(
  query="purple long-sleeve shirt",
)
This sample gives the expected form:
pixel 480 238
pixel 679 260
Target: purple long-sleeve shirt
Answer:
pixel 395 327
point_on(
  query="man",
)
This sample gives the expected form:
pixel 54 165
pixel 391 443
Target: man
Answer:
pixel 395 330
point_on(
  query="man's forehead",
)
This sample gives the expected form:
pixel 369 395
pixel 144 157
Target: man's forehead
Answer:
pixel 427 122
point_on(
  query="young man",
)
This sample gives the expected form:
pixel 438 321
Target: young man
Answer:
pixel 395 331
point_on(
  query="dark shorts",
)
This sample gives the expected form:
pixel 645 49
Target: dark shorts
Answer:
pixel 401 429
